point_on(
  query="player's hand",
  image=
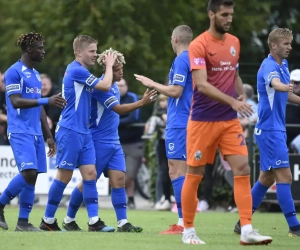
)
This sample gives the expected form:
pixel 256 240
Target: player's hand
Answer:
pixel 144 80
pixel 149 96
pixel 110 59
pixel 58 101
pixel 291 88
pixel 241 98
pixel 52 147
pixel 242 108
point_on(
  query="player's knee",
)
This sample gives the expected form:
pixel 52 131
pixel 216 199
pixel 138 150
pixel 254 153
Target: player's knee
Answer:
pixel 30 176
pixel 117 179
pixel 241 168
pixel 266 179
pixel 283 175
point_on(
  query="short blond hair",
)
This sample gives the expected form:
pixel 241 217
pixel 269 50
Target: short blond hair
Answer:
pixel 162 97
pixel 82 41
pixel 278 33
pixel 119 60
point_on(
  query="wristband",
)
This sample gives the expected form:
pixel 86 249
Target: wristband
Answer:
pixel 43 101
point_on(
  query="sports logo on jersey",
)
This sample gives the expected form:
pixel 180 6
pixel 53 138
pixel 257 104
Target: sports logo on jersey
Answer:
pixel 232 51
pixel 199 62
pixel 110 101
pixel 13 87
pixel 34 90
pixel 28 74
pixel 178 78
pixel 273 74
pixel 198 155
pixel 91 80
pixel 171 146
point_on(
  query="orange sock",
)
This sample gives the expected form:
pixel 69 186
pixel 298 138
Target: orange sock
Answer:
pixel 189 199
pixel 243 198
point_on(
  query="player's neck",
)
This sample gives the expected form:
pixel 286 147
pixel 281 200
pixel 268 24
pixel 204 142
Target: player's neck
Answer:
pixel 27 61
pixel 81 62
pixel 276 58
pixel 180 49
pixel 216 34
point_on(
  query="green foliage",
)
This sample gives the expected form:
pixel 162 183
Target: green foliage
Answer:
pixel 140 29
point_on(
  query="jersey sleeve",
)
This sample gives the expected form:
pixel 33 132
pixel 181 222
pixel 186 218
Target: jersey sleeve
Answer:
pixel 13 82
pixel 107 99
pixel 83 76
pixel 197 55
pixel 270 72
pixel 181 71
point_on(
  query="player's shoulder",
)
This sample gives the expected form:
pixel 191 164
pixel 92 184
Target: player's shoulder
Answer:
pixel 13 70
pixel 182 58
pixel 200 39
pixel 76 68
pixel 269 62
pixel 232 38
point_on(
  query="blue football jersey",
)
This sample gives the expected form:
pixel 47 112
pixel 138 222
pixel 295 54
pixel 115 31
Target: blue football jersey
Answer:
pixel 179 108
pixel 104 121
pixel 272 103
pixel 19 79
pixel 76 87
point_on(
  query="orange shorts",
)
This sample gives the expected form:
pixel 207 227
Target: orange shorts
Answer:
pixel 203 139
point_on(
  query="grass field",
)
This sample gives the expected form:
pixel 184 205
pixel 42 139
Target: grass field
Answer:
pixel 214 228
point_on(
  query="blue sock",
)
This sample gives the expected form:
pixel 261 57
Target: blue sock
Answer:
pixel 258 192
pixel 75 202
pixel 286 202
pixel 54 197
pixel 90 197
pixel 118 199
pixel 177 186
pixel 26 199
pixel 13 189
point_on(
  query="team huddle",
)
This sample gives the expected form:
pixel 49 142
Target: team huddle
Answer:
pixel 205 95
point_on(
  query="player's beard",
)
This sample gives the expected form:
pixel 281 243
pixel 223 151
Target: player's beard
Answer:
pixel 218 27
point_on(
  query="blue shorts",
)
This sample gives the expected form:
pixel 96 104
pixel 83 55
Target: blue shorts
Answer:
pixel 273 149
pixel 109 156
pixel 73 149
pixel 176 143
pixel 29 151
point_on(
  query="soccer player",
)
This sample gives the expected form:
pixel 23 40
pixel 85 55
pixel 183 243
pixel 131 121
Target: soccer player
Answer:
pixel 179 92
pixel 274 91
pixel 213 121
pixel 26 119
pixel 110 158
pixel 73 138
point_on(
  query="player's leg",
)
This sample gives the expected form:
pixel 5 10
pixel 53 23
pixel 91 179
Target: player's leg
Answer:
pixel 103 154
pixel 116 172
pixel 26 161
pixel 68 148
pixel 266 176
pixel 89 189
pixel 176 154
pixel 283 178
pixel 233 146
pixel 201 143
pixel 26 197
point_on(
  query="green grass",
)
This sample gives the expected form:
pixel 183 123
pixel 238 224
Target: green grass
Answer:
pixel 216 229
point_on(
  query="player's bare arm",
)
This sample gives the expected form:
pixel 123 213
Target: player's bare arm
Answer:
pixel 200 76
pixel 105 83
pixel 239 87
pixel 279 86
pixel 149 96
pixel 19 102
pixel 47 134
pixel 174 90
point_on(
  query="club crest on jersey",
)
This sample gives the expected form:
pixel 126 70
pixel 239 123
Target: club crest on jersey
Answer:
pixel 232 51
pixel 171 146
pixel 198 155
pixel 38 77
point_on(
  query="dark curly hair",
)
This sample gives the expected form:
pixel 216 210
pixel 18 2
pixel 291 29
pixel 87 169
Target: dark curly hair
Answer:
pixel 25 40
